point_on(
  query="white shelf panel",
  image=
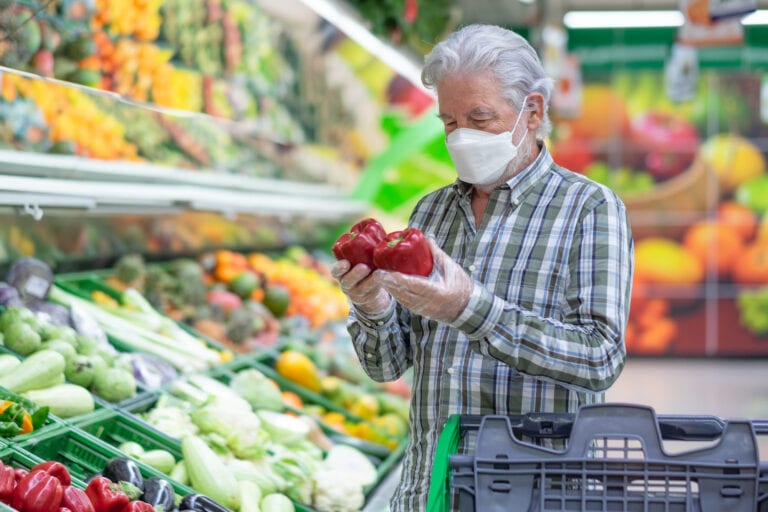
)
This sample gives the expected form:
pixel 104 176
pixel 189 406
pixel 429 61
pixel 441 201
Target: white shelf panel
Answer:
pixel 74 167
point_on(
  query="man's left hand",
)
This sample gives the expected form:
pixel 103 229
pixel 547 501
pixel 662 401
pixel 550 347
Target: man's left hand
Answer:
pixel 442 296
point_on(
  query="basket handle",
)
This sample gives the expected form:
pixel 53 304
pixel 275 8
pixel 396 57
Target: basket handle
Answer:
pixel 615 420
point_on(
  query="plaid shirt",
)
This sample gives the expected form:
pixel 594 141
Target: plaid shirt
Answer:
pixel 544 328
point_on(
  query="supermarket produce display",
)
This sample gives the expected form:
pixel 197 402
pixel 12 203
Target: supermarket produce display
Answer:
pixel 89 386
pixel 174 176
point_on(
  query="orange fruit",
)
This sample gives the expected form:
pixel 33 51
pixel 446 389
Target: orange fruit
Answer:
pixel 604 115
pixel 716 246
pixel 751 266
pixel 739 218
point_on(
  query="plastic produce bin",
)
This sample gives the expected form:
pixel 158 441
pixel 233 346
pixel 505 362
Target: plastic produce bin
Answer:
pixel 84 454
pixel 615 459
pixel 115 428
pixel 19 458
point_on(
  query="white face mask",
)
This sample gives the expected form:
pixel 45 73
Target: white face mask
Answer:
pixel 481 157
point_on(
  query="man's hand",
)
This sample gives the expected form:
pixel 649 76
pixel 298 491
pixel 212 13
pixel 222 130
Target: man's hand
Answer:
pixel 441 296
pixel 359 285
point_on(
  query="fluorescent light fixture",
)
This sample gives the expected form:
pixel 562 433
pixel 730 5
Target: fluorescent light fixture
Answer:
pixel 756 18
pixel 362 36
pixel 622 19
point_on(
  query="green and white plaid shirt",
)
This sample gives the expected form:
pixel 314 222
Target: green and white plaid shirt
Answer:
pixel 552 264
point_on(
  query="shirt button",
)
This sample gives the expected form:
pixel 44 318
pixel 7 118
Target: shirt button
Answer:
pixel 450 371
pixel 380 322
pixel 472 268
pixel 370 356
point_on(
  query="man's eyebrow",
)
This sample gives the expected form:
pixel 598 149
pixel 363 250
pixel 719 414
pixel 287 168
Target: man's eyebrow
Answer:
pixel 443 117
pixel 481 111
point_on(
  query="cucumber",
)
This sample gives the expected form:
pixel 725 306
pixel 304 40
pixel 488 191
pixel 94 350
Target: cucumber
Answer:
pixel 41 370
pixel 63 400
pixel 8 363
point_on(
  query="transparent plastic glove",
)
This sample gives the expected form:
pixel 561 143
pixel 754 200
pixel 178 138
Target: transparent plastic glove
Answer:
pixel 442 296
pixel 362 289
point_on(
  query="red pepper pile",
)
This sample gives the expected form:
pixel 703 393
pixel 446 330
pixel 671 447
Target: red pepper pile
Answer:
pixel 46 488
pixel 367 242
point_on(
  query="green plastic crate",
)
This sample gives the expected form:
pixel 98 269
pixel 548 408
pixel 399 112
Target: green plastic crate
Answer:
pixel 84 454
pixel 19 458
pixel 115 428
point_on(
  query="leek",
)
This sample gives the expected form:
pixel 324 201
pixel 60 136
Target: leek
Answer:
pixel 185 352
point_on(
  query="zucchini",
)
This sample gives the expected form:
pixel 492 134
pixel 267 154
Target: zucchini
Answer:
pixel 208 474
pixel 250 496
pixel 161 460
pixel 8 363
pixel 41 370
pixel 63 400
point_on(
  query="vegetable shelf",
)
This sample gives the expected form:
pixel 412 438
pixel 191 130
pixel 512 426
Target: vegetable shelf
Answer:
pixel 116 428
pixel 384 459
pixel 84 454
pixel 140 327
pixel 19 458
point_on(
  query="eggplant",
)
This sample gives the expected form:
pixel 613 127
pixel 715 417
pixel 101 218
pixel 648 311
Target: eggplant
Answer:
pixel 124 469
pixel 158 492
pixel 201 503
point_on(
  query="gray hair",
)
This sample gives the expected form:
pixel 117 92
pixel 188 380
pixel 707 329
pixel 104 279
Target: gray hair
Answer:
pixel 478 48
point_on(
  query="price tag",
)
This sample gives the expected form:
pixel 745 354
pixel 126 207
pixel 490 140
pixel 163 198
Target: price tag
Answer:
pixel 566 96
pixel 719 9
pixel 700 29
pixel 682 73
pixel 36 286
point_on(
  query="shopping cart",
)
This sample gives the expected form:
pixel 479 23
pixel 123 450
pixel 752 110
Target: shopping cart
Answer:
pixel 619 457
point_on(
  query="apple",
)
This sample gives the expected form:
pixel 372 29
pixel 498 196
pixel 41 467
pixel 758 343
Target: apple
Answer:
pixel 668 142
pixel 42 62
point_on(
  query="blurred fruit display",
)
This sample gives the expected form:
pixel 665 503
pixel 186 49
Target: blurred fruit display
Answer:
pixel 693 177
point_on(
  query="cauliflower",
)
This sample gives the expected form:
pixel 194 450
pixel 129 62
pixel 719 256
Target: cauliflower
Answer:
pixel 337 491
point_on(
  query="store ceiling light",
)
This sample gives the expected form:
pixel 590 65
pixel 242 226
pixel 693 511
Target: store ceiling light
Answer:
pixel 756 18
pixel 622 19
pixel 356 31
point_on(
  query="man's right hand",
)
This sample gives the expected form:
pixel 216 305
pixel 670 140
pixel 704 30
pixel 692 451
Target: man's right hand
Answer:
pixel 359 285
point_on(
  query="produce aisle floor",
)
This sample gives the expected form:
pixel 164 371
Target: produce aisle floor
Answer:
pixel 729 388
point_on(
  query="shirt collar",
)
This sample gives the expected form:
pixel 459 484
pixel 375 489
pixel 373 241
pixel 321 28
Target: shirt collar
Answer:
pixel 520 182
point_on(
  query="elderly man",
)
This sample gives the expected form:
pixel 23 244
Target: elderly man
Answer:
pixel 527 307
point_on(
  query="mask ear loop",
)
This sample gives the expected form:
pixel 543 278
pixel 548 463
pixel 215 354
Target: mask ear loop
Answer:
pixel 523 109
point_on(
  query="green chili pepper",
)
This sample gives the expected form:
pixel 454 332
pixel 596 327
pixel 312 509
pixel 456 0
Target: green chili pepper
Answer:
pixel 9 429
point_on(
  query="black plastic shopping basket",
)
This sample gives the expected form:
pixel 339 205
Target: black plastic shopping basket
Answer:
pixel 618 457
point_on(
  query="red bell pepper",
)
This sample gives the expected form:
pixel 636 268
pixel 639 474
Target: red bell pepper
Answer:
pixel 19 473
pixel 76 500
pixel 7 483
pixel 357 245
pixel 56 469
pixel 64 509
pixel 105 495
pixel 405 251
pixel 138 506
pixel 37 492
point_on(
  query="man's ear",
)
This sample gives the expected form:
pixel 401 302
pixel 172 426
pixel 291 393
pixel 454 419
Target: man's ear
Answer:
pixel 535 105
